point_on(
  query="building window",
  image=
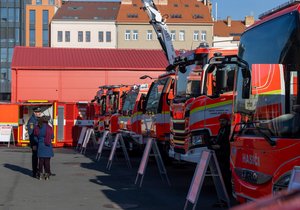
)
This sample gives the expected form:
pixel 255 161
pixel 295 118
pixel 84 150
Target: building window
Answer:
pixel 108 36
pixel 67 36
pixel 45 38
pixel 51 2
pixel 3 13
pixel 80 36
pixel 32 37
pixel 17 35
pixel 32 19
pixel 203 35
pixel 38 2
pixel 173 35
pixel 11 35
pixel 11 15
pixel 3 74
pixel 45 17
pixel 196 36
pixel 100 36
pixel 181 35
pixel 59 36
pixel 10 54
pixel 17 17
pixel 135 35
pixel 3 55
pixel 149 35
pixel 127 35
pixel 88 36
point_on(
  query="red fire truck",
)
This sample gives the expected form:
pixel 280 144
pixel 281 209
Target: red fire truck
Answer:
pixel 156 117
pixel 266 108
pixel 110 102
pixel 198 102
pixel 130 120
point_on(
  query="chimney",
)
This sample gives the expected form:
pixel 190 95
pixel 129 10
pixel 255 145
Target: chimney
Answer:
pixel 228 21
pixel 161 2
pixel 126 1
pixel 249 20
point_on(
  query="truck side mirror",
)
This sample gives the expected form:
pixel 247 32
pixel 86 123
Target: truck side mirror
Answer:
pixel 246 88
pixel 246 83
pixel 221 80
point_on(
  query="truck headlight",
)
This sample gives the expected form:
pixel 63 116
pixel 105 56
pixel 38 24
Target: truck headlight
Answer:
pixel 196 140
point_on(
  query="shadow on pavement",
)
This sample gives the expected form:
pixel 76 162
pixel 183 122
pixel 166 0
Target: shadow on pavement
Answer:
pixel 20 169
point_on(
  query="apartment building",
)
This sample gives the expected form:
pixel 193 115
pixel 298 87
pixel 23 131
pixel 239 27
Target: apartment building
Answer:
pixel 227 32
pixel 38 16
pixel 81 24
pixel 189 23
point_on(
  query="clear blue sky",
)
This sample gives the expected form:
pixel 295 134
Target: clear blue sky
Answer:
pixel 238 9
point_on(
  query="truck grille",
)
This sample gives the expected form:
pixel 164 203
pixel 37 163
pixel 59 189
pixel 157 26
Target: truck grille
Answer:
pixel 179 126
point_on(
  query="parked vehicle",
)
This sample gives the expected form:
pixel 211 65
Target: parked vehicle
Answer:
pixel 266 108
pixel 130 120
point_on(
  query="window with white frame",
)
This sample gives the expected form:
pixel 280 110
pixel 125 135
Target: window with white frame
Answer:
pixel 108 36
pixel 67 36
pixel 100 36
pixel 149 35
pixel 181 35
pixel 196 36
pixel 135 35
pixel 173 35
pixel 127 35
pixel 59 36
pixel 80 36
pixel 203 35
pixel 88 36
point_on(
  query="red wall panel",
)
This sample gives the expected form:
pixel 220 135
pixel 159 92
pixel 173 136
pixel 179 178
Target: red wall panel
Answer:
pixel 69 85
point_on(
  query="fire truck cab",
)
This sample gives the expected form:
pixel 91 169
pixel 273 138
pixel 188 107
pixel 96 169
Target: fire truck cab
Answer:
pixel 110 104
pixel 202 94
pixel 131 116
pixel 156 113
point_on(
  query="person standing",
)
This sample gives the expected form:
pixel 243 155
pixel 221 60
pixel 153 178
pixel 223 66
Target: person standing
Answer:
pixel 32 122
pixel 221 146
pixel 43 135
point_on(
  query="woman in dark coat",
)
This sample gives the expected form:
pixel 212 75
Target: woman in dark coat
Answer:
pixel 43 136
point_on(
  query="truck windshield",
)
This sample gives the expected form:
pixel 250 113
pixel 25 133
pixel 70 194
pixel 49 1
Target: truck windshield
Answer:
pixel 273 57
pixel 103 105
pixel 130 101
pixel 186 87
pixel 155 95
pixel 113 102
pixel 275 41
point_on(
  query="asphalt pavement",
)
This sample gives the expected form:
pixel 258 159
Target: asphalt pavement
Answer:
pixel 81 182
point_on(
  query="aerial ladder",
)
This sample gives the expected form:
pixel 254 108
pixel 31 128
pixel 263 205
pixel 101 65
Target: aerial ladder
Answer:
pixel 161 29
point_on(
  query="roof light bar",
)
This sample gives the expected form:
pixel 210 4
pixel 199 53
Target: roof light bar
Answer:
pixel 280 7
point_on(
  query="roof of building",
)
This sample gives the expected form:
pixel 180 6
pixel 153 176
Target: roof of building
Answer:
pixel 235 29
pixel 85 58
pixel 176 11
pixel 81 10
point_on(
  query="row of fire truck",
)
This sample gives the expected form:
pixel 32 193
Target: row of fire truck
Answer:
pixel 260 87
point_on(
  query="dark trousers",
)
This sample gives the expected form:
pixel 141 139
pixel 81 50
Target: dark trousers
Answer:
pixel 224 164
pixel 44 163
pixel 34 161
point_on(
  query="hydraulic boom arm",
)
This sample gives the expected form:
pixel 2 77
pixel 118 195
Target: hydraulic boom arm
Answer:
pixel 161 29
